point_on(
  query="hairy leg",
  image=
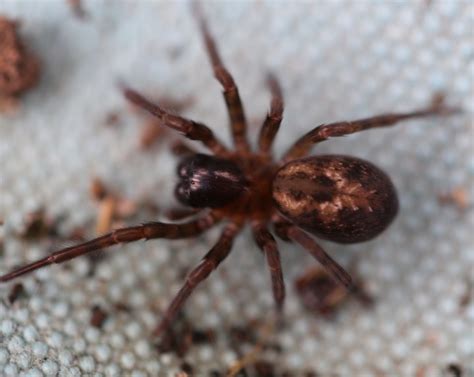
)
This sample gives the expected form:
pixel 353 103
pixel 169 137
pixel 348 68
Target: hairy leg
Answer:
pixel 267 243
pixel 123 235
pixel 190 129
pixel 337 272
pixel 209 263
pixel 272 121
pixel 302 147
pixel 231 93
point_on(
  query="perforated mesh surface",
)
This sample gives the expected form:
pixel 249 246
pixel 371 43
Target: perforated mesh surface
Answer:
pixel 335 60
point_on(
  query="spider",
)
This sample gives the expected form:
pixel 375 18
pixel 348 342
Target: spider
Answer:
pixel 335 197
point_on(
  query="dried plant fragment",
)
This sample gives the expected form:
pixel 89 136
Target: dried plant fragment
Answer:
pixel 466 297
pixel 19 69
pixel 320 293
pixel 112 207
pixel 264 368
pixel 38 224
pixel 458 197
pixel 454 370
pixel 98 316
pixel 112 119
pixel 17 291
pixel 77 9
pixel 181 336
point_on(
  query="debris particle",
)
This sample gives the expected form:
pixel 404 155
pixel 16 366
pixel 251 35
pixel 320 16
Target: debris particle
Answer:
pixel 77 234
pixel 175 52
pixel 187 368
pixel 98 316
pixel 215 373
pixel 112 119
pixel 203 336
pixel 458 196
pixel 182 336
pixel 105 215
pixel 17 291
pixel 243 334
pixel 37 225
pixel 467 295
pixel 264 368
pixel 113 208
pixel 97 189
pixel 123 307
pixel 19 69
pixel 177 339
pixel 78 9
pixel 319 292
pixel 454 370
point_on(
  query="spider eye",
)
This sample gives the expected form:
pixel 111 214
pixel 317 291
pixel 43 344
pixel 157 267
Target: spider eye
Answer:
pixel 207 181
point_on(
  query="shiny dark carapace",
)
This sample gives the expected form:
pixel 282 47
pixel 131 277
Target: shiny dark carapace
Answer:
pixel 207 181
pixel 340 198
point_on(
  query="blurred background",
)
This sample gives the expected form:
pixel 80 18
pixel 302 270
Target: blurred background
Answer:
pixel 76 160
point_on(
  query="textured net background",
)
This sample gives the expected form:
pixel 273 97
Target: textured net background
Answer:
pixel 336 60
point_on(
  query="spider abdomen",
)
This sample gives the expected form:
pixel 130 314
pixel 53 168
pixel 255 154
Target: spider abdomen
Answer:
pixel 340 198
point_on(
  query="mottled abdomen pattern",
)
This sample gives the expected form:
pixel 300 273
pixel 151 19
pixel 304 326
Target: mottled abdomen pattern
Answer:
pixel 340 198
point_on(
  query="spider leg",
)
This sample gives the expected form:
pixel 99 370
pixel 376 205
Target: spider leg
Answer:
pixel 231 93
pixel 302 146
pixel 123 235
pixel 272 121
pixel 209 263
pixel 190 129
pixel 337 272
pixel 267 243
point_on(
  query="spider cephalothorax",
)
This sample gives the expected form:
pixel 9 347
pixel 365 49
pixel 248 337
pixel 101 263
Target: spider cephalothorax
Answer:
pixel 340 198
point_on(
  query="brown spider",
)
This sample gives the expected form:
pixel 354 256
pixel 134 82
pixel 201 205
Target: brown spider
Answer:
pixel 340 198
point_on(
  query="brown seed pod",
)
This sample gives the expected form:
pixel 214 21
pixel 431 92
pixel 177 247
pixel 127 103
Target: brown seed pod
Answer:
pixel 340 198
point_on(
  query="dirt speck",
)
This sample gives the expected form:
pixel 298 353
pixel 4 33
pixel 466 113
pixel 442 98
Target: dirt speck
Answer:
pixel 19 68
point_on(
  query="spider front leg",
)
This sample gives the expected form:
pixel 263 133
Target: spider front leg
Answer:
pixel 231 93
pixel 268 245
pixel 272 121
pixel 209 263
pixel 123 235
pixel 323 132
pixel 190 129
